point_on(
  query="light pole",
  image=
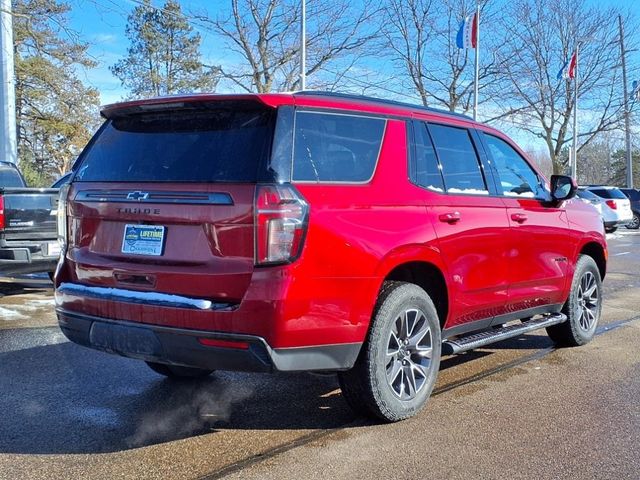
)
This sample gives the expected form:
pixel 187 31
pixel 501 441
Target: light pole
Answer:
pixel 574 148
pixel 476 72
pixel 627 127
pixel 8 141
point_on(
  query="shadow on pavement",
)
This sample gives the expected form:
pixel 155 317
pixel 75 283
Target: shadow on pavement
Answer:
pixel 67 399
pixel 25 284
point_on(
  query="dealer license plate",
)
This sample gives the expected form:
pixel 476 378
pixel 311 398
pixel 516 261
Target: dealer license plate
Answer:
pixel 143 239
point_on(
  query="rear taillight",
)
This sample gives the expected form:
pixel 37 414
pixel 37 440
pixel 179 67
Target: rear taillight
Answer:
pixel 1 212
pixel 281 223
pixel 612 204
pixel 62 216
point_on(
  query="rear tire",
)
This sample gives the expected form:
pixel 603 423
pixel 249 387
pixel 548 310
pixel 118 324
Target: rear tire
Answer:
pixel 610 229
pixel 398 364
pixel 635 223
pixel 175 371
pixel 583 307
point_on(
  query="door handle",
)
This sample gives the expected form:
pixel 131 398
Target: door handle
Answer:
pixel 451 217
pixel 519 217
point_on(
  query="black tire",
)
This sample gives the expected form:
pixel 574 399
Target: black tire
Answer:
pixel 366 386
pixel 635 223
pixel 610 229
pixel 175 371
pixel 581 324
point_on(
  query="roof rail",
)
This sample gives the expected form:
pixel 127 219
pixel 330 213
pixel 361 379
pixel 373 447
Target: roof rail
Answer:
pixel 380 101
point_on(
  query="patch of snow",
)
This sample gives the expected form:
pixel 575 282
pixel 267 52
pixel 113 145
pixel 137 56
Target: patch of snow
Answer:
pixel 523 194
pixel 471 191
pixel 8 314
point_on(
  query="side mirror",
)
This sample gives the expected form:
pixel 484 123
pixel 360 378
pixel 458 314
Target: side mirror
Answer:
pixel 563 187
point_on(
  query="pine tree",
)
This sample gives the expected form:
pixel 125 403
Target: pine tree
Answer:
pixel 164 55
pixel 56 113
pixel 619 167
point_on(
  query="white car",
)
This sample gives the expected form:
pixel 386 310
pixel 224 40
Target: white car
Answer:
pixel 610 217
pixel 615 207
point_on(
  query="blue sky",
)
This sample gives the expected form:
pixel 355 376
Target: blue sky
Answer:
pixel 101 23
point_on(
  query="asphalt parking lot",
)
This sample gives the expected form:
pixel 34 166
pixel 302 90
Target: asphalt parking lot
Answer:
pixel 519 409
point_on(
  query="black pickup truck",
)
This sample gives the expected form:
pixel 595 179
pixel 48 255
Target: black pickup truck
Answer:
pixel 28 236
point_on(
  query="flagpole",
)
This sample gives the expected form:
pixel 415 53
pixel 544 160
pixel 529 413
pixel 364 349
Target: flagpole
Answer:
pixel 477 66
pixel 303 46
pixel 574 163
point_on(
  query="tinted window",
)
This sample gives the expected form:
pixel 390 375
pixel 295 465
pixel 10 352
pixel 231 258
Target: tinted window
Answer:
pixel 516 176
pixel 459 160
pixel 195 145
pixel 10 178
pixel 587 195
pixel 425 170
pixel 336 148
pixel 609 193
pixel 632 194
pixel 63 180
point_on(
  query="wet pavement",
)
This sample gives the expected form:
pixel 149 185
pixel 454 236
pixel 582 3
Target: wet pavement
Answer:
pixel 519 409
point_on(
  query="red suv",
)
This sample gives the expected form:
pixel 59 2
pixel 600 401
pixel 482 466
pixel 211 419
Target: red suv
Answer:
pixel 318 232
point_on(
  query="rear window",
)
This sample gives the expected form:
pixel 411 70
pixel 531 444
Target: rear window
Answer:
pixel 336 148
pixel 586 195
pixel 195 145
pixel 424 168
pixel 459 160
pixel 609 193
pixel 10 178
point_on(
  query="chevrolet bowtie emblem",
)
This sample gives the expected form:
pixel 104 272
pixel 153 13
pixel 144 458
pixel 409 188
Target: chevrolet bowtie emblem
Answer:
pixel 137 196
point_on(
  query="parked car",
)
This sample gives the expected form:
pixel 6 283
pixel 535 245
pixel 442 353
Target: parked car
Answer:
pixel 634 197
pixel 617 201
pixel 318 232
pixel 610 217
pixel 28 238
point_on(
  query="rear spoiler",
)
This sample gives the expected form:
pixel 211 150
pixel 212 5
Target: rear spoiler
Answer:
pixel 181 102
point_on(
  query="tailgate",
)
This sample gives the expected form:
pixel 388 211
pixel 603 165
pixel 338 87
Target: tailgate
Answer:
pixel 30 214
pixel 197 243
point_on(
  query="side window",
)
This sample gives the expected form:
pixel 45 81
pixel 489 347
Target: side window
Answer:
pixel 425 170
pixel 459 160
pixel 336 148
pixel 517 178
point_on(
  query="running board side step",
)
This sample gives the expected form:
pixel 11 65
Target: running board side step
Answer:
pixel 469 342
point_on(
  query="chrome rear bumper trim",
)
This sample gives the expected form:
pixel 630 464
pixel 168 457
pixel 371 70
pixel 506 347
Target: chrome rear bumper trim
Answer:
pixel 133 296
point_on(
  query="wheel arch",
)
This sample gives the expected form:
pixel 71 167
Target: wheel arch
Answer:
pixel 596 251
pixel 428 276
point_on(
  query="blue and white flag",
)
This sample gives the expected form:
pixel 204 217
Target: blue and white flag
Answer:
pixel 468 34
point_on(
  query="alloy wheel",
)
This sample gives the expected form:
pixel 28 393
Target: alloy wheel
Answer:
pixel 588 301
pixel 409 354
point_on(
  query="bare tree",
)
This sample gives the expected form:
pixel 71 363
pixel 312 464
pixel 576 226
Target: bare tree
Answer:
pixel 266 33
pixel 540 36
pixel 421 36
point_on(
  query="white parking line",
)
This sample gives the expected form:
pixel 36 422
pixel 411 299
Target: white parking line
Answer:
pixel 621 253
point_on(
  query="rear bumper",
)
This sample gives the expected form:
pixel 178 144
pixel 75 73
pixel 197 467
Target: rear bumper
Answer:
pixel 24 260
pixel 178 346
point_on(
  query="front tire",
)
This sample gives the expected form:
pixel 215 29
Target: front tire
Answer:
pixel 398 364
pixel 635 223
pixel 176 371
pixel 583 307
